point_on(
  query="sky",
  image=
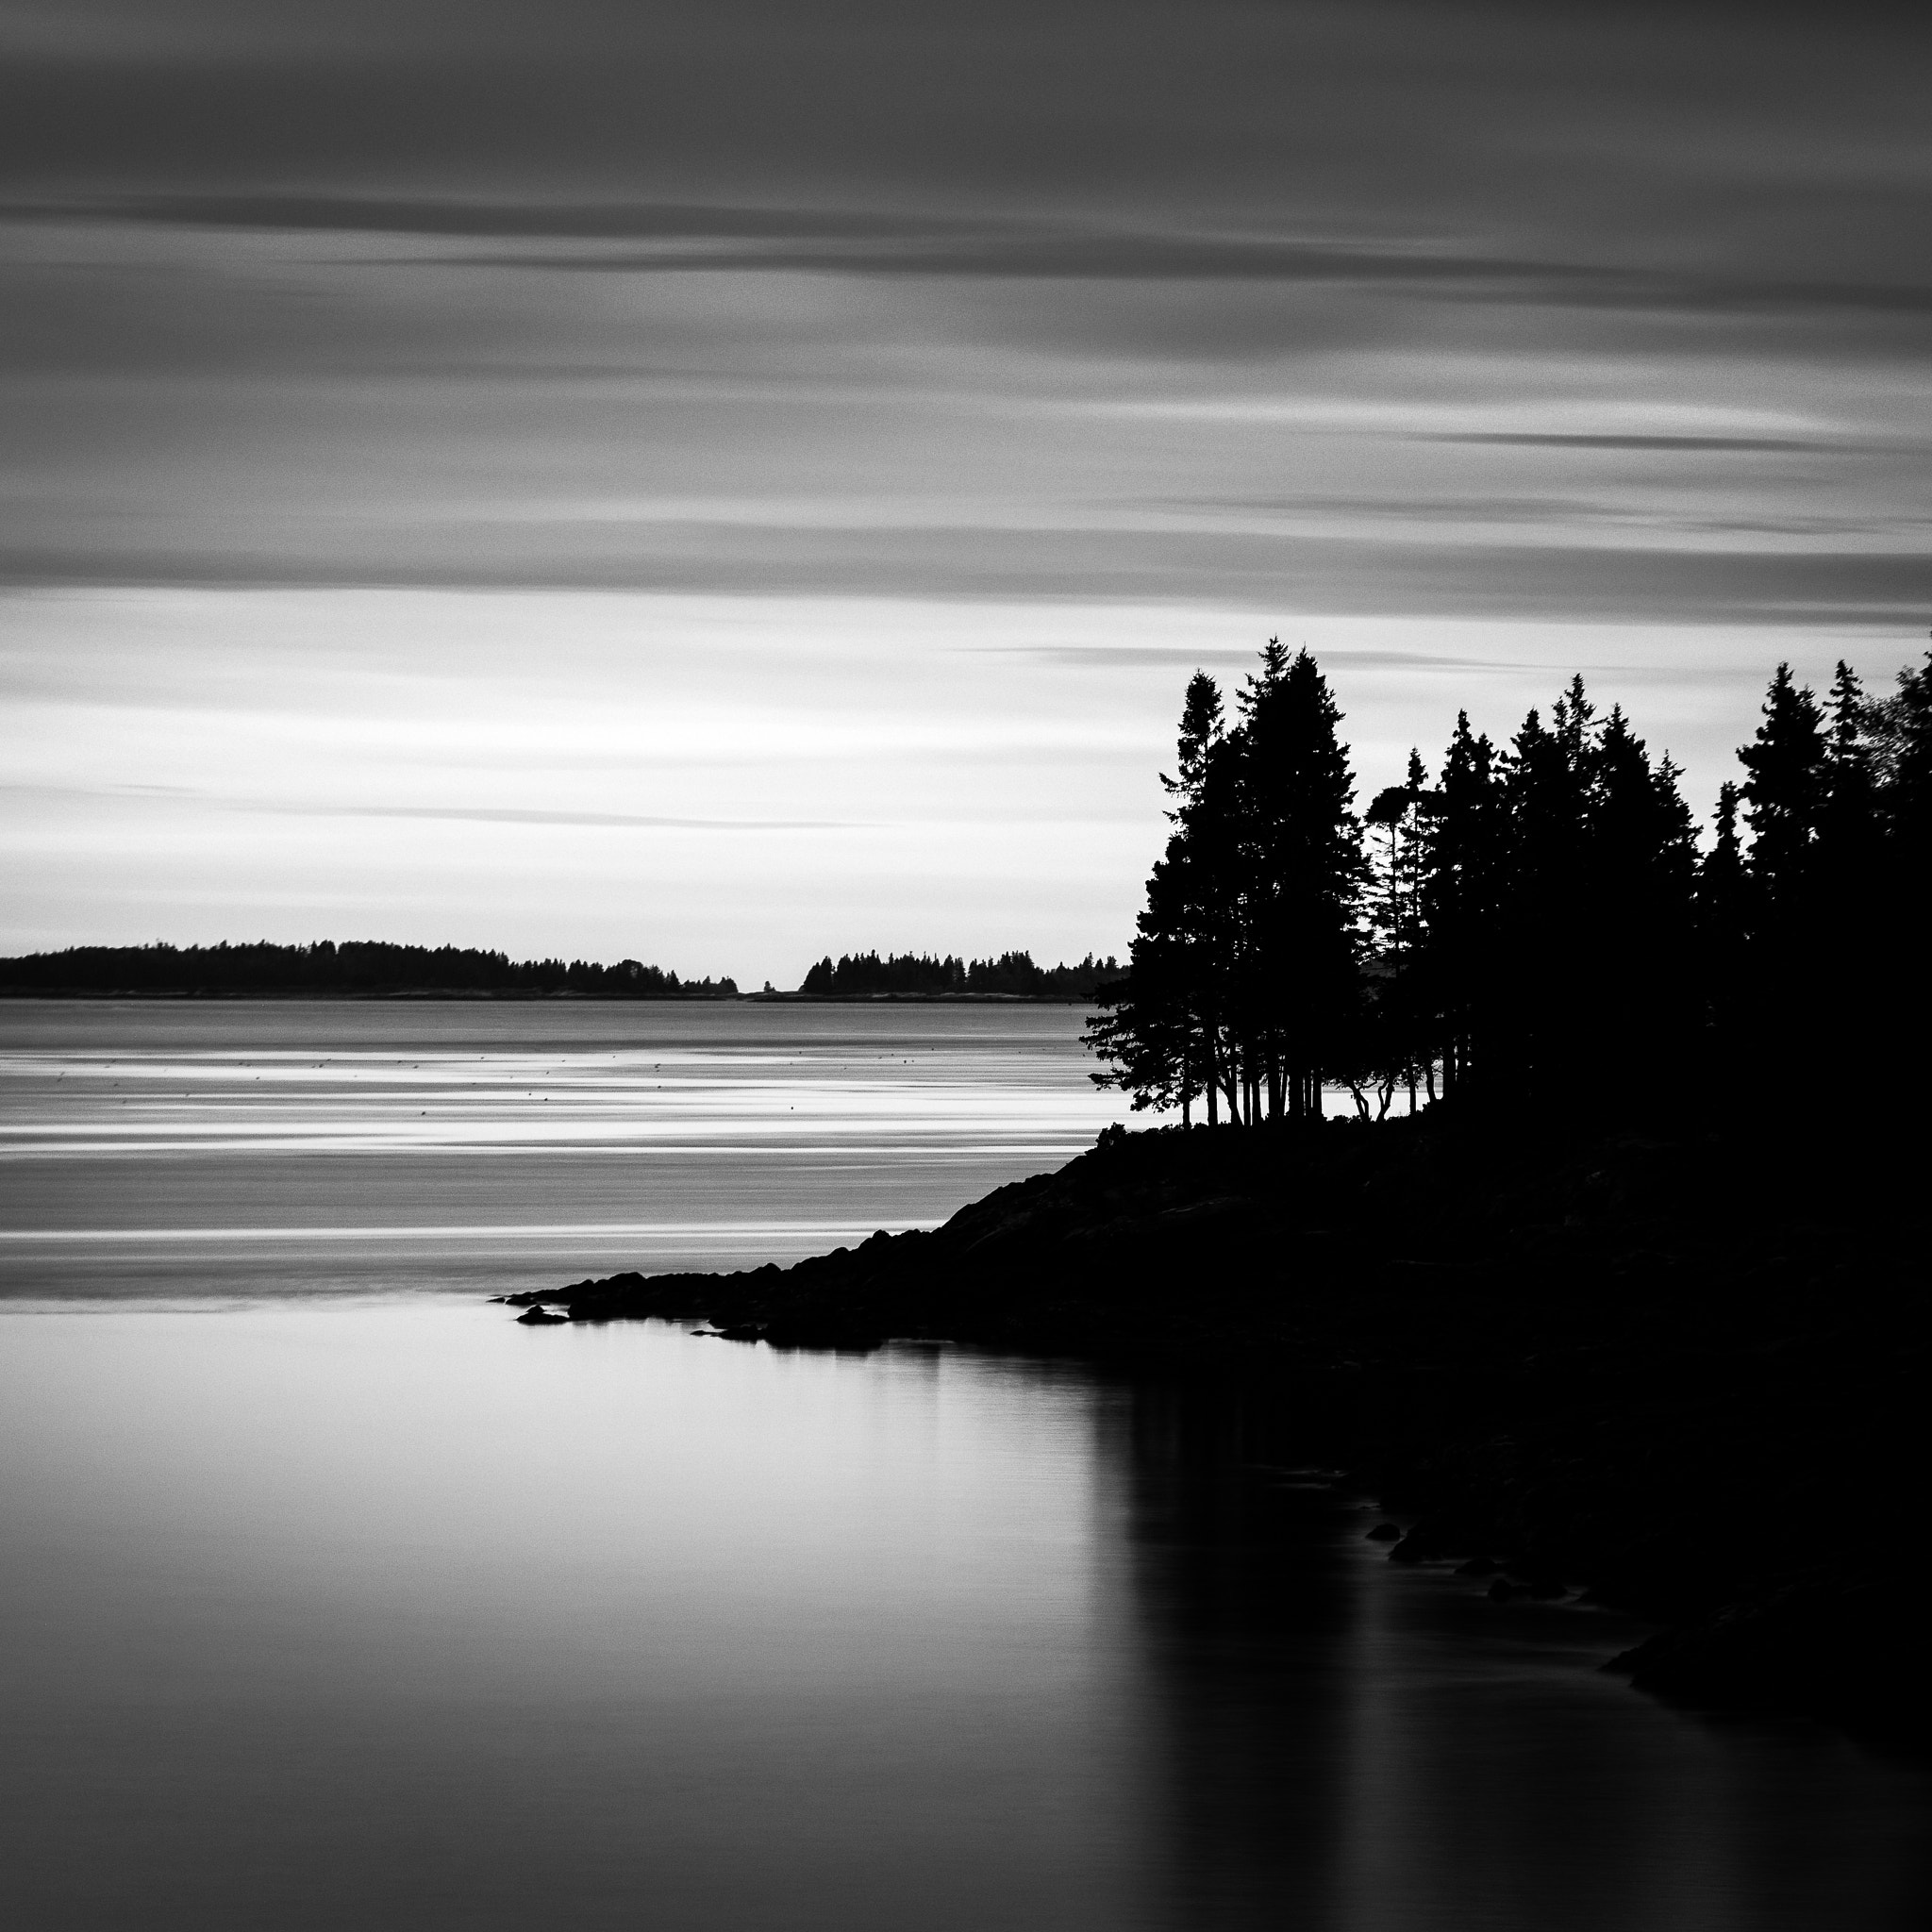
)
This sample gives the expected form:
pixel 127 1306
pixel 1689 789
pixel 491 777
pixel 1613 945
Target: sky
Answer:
pixel 722 484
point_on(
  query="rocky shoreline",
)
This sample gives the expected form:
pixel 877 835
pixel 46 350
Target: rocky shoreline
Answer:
pixel 1681 1371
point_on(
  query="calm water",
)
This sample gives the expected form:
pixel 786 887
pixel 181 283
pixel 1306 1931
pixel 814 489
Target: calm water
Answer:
pixel 410 1145
pixel 379 1610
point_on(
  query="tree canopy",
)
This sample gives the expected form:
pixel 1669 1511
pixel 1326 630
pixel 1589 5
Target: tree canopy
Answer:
pixel 1537 921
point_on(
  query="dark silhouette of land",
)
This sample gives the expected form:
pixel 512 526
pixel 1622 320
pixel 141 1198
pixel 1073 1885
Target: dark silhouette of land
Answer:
pixel 1685 1372
pixel 922 975
pixel 370 969
pixel 357 970
pixel 1638 1304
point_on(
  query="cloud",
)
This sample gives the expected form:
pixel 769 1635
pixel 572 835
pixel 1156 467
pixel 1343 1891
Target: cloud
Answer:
pixel 517 815
pixel 1688 444
pixel 1399 574
pixel 696 238
pixel 1167 657
pixel 413 293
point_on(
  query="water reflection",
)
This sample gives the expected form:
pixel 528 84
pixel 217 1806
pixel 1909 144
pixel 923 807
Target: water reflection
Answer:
pixel 405 1616
pixel 401 1615
pixel 1351 1744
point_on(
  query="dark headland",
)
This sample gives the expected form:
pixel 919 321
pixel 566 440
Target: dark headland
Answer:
pixel 1684 1374
pixel 1637 1304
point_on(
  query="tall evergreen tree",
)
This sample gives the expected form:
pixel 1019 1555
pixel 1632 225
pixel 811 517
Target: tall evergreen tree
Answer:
pixel 1201 731
pixel 1537 1029
pixel 1784 790
pixel 1304 878
pixel 1848 825
pixel 1723 921
pixel 1160 1039
pixel 1245 951
pixel 1632 976
pixel 1901 737
pixel 1462 892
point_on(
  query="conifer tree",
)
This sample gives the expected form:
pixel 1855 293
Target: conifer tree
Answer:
pixel 1784 791
pixel 1243 964
pixel 1201 731
pixel 1303 877
pixel 1159 1039
pixel 1848 825
pixel 1461 894
pixel 1535 1029
pixel 1901 737
pixel 1723 889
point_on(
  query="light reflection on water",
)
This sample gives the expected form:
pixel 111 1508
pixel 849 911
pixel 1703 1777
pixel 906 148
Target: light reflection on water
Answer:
pixel 311 1146
pixel 391 1612
pixel 397 1614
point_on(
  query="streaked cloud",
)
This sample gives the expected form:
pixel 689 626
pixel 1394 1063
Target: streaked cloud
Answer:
pixel 1010 359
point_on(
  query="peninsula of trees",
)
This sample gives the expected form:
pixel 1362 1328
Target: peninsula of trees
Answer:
pixel 356 970
pixel 1640 1307
pixel 1536 920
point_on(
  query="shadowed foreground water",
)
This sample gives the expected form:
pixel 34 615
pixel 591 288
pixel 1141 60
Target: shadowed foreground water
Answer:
pixel 394 1613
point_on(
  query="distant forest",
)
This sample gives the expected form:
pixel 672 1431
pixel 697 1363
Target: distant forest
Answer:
pixel 359 969
pixel 1534 923
pixel 858 975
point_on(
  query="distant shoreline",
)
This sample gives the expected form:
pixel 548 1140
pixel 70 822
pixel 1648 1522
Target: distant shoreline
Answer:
pixel 922 999
pixel 472 997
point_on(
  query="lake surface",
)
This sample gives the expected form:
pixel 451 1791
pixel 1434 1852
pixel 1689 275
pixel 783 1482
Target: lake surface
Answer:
pixel 316 1146
pixel 323 1609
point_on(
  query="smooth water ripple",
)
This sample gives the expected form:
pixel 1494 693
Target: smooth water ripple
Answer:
pixel 309 1146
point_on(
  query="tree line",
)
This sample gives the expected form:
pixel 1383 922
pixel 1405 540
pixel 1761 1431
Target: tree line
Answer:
pixel 863 975
pixel 357 969
pixel 1538 922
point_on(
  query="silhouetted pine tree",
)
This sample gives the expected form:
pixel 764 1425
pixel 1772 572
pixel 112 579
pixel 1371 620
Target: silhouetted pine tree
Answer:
pixel 1243 962
pixel 1534 1032
pixel 1462 891
pixel 1635 978
pixel 1541 924
pixel 1303 874
pixel 1724 918
pixel 1202 725
pixel 1158 1030
pixel 1901 737
pixel 1784 791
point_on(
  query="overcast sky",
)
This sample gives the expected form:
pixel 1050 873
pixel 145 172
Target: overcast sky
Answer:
pixel 723 483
